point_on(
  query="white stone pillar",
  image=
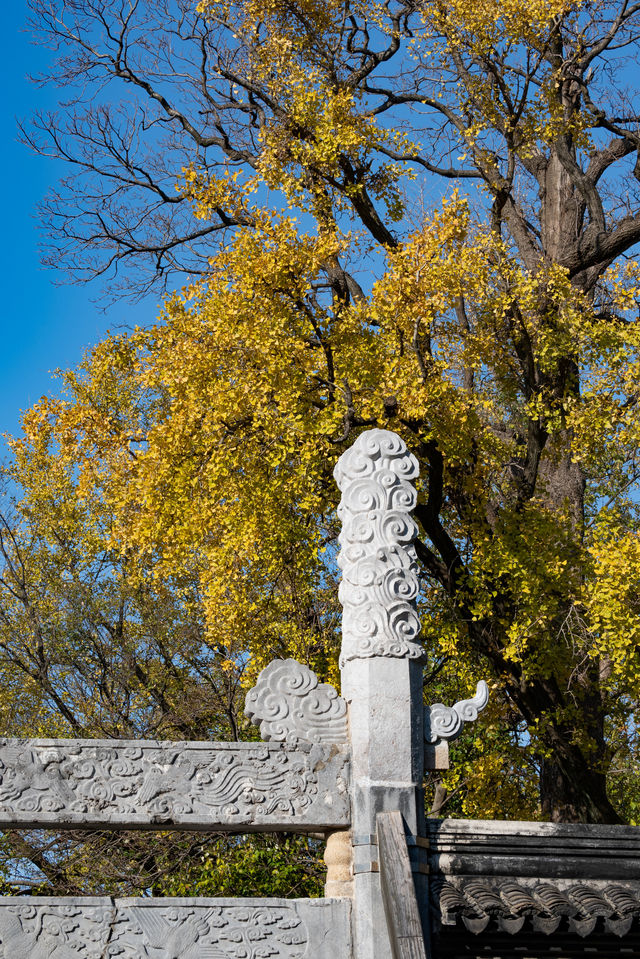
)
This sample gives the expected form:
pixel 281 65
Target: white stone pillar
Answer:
pixel 380 664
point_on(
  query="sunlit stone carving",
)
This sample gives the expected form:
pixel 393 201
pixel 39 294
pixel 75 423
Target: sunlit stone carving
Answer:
pixel 110 783
pixel 91 928
pixel 446 722
pixel 378 561
pixel 290 705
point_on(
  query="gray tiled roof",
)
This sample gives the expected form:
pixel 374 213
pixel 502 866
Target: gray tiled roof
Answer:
pixel 540 906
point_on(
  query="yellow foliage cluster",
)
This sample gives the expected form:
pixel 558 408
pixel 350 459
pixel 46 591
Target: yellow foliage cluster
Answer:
pixel 210 437
pixel 204 445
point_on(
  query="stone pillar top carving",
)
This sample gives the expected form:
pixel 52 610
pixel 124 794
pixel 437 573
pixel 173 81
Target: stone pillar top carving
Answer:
pixel 378 561
pixel 380 662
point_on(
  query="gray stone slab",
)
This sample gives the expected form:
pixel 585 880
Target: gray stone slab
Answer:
pixel 92 928
pixel 200 786
pixel 398 891
pixel 545 850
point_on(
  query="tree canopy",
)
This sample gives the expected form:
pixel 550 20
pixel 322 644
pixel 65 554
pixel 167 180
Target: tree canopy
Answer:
pixel 416 215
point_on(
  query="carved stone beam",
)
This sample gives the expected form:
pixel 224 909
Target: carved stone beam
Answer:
pixel 81 928
pixel 442 724
pixel 298 780
pixel 111 784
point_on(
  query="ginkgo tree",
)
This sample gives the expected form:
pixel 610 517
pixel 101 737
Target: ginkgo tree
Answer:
pixel 91 645
pixel 416 215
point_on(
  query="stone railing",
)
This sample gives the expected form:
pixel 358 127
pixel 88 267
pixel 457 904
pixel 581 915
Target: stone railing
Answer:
pixel 350 767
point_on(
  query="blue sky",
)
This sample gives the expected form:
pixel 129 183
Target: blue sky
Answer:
pixel 44 325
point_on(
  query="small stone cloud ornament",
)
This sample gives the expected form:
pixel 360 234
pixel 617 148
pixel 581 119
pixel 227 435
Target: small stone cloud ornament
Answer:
pixel 446 722
pixel 291 706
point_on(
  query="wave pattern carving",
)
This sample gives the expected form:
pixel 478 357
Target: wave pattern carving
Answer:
pixel 378 561
pixel 120 784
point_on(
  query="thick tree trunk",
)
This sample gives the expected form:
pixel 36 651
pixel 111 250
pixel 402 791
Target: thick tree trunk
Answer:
pixel 573 781
pixel 572 791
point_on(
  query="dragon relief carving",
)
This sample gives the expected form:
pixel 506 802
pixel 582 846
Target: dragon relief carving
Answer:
pixel 290 705
pixel 378 561
pixel 74 782
pixel 131 929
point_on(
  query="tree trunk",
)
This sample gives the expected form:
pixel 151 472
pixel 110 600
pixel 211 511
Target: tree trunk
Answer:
pixel 573 781
pixel 572 791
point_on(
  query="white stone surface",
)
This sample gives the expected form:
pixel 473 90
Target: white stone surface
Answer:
pixel 290 705
pixel 385 714
pixel 381 662
pixel 379 569
pixel 78 928
pixel 446 722
pixel 144 784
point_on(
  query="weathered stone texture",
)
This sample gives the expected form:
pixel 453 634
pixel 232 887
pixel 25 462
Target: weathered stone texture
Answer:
pixel 107 783
pixel 526 880
pixel 492 903
pixel 545 850
pixel 42 928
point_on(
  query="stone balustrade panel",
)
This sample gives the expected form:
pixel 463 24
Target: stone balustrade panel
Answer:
pixel 96 928
pixel 187 785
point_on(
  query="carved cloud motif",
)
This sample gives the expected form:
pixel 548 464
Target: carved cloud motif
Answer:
pixel 446 722
pixel 290 705
pixel 378 561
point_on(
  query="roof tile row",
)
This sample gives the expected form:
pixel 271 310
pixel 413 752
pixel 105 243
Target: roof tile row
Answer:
pixel 545 907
